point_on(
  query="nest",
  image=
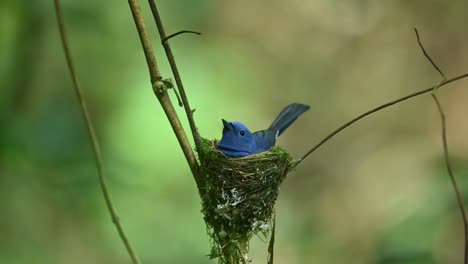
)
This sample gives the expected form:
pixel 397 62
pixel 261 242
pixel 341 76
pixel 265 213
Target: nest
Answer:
pixel 238 196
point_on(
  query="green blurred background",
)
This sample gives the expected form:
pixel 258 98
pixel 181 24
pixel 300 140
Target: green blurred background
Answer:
pixel 377 193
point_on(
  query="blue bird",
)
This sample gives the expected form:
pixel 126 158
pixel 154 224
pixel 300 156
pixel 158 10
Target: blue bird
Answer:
pixel 238 141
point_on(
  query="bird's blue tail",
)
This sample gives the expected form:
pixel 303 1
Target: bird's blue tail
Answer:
pixel 287 116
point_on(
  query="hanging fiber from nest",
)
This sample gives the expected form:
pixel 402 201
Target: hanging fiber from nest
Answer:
pixel 238 197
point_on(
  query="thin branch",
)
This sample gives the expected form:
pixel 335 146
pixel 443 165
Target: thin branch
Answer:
pixel 361 116
pixel 170 85
pixel 145 41
pixel 445 145
pixel 160 90
pixel 443 82
pixel 244 257
pixel 461 204
pixel 92 137
pixel 178 33
pixel 271 245
pixel 179 101
pixel 175 71
pixel 427 54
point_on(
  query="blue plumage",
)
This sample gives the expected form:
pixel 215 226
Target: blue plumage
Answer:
pixel 238 141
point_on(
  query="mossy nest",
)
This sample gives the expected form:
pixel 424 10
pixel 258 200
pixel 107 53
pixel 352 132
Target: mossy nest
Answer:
pixel 238 196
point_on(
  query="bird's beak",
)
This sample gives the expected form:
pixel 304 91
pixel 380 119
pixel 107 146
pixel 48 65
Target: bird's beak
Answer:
pixel 228 125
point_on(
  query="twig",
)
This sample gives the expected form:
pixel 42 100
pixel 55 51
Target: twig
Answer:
pixel 427 55
pixel 271 245
pixel 178 33
pixel 175 71
pixel 153 68
pixel 445 145
pixel 461 205
pixel 179 101
pixel 352 121
pixel 244 257
pixel 361 116
pixel 160 90
pixel 92 136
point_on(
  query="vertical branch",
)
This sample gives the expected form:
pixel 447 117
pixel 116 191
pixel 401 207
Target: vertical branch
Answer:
pixel 271 245
pixel 160 90
pixel 461 205
pixel 175 71
pixel 92 136
pixel 153 68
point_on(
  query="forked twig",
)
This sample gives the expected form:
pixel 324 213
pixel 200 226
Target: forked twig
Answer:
pixel 461 204
pixel 399 100
pixel 444 82
pixel 175 71
pixel 160 90
pixel 92 136
pixel 378 108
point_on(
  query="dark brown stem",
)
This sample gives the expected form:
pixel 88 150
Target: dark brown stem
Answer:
pixel 175 71
pixel 361 116
pixel 160 90
pixel 271 245
pixel 179 33
pixel 92 137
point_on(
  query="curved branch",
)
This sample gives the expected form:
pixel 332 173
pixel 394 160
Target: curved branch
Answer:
pixel 179 33
pixel 361 116
pixel 92 137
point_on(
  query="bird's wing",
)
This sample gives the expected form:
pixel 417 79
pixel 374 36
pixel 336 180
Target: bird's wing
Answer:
pixel 264 140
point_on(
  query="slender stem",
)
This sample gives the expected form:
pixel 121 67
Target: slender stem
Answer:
pixel 175 71
pixel 244 258
pixel 92 137
pixel 427 54
pixel 445 144
pixel 361 116
pixel 179 33
pixel 153 68
pixel 271 245
pixel 161 92
pixel 461 204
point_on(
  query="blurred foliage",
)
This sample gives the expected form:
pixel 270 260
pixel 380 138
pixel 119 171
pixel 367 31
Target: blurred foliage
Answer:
pixel 377 193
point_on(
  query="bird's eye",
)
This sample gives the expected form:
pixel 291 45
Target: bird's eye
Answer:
pixel 242 133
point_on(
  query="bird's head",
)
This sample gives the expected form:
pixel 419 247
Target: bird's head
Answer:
pixel 237 140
